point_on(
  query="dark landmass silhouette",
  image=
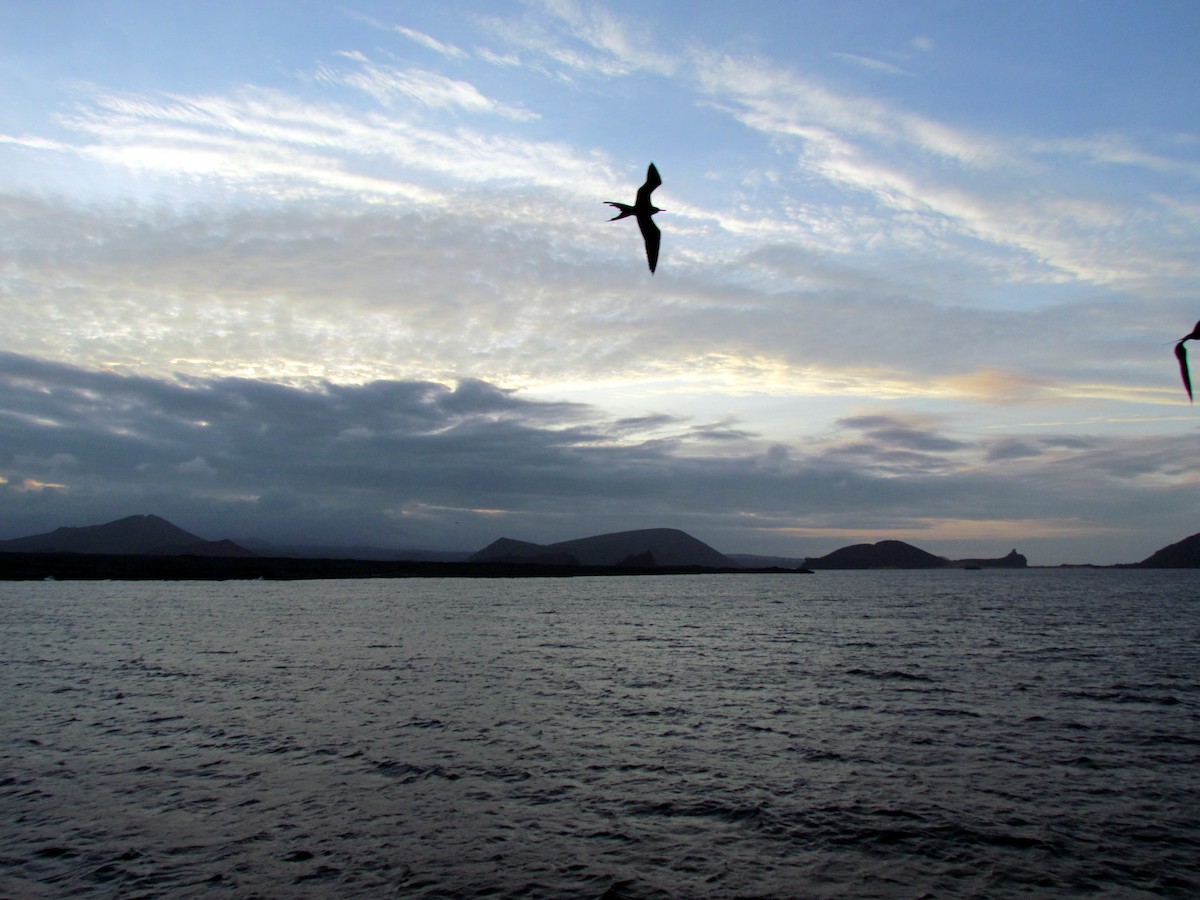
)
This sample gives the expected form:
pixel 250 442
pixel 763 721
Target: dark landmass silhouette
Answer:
pixel 883 555
pixel 151 548
pixel 103 567
pixel 508 550
pixel 133 535
pixel 899 555
pixel 657 546
pixel 1183 554
pixel 641 561
pixel 1013 560
pixel 755 561
pixel 350 551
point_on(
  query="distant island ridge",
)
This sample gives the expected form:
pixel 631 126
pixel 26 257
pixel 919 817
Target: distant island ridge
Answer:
pixel 1183 554
pixel 654 550
pixel 899 555
pixel 132 535
pixel 150 547
pixel 648 547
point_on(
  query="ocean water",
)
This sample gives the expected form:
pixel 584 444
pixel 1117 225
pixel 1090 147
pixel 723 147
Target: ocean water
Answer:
pixel 844 734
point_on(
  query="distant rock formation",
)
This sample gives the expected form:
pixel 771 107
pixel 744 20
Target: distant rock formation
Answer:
pixel 639 561
pixel 882 555
pixel 646 548
pixel 899 555
pixel 1183 554
pixel 1013 560
pixel 151 548
pixel 132 535
pixel 507 550
pixel 523 551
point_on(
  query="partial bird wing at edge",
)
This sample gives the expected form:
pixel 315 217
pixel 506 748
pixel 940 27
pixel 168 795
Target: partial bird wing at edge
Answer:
pixel 653 238
pixel 1181 355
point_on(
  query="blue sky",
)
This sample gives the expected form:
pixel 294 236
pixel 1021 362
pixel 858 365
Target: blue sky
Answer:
pixel 328 273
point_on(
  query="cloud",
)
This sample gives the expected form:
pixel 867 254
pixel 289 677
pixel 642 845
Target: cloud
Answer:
pixel 871 63
pixel 994 385
pixel 431 43
pixel 1013 448
pixel 388 84
pixel 259 140
pixel 618 39
pixel 773 98
pixel 891 446
pixel 895 431
pixel 573 41
pixel 1118 150
pixel 937 186
pixel 947 184
pixel 264 143
pixel 505 287
pixel 196 466
pixel 421 463
pixel 925 189
pixel 32 142
pixel 242 443
pixel 418 37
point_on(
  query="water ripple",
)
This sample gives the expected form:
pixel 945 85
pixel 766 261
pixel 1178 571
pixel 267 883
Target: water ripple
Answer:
pixel 844 735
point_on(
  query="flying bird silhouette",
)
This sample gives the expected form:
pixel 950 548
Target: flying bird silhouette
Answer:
pixel 644 210
pixel 1181 355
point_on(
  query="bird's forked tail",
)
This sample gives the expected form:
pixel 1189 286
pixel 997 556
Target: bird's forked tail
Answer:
pixel 625 209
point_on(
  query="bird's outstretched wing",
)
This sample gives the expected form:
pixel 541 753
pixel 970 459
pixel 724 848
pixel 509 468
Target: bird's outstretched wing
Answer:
pixel 652 181
pixel 653 237
pixel 1181 355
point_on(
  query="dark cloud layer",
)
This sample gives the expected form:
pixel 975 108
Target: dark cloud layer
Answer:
pixel 417 463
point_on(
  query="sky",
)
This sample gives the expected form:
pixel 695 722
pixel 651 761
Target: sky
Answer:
pixel 342 273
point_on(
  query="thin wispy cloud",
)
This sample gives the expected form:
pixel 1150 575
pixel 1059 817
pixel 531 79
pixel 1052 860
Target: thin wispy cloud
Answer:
pixel 871 63
pixel 32 142
pixel 431 43
pixel 279 144
pixel 386 84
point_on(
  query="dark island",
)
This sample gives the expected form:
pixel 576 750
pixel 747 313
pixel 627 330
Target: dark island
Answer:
pixel 899 555
pixel 1183 554
pixel 149 548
